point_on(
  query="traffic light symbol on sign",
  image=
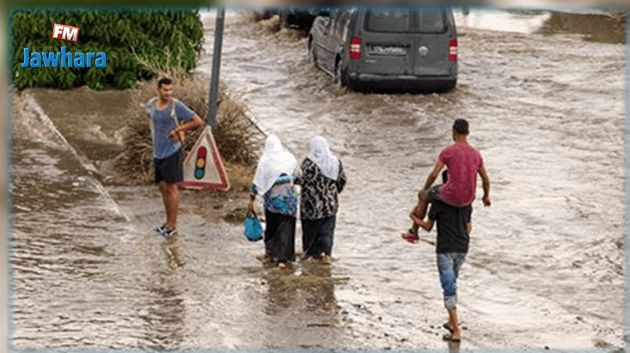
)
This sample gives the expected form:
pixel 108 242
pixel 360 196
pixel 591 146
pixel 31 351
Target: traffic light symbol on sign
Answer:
pixel 200 163
pixel 203 167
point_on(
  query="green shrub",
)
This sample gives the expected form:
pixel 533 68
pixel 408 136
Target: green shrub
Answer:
pixel 136 43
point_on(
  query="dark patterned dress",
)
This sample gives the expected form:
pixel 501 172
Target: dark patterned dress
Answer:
pixel 318 208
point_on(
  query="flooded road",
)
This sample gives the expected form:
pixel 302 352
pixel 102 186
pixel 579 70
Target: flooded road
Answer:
pixel 547 113
pixel 545 264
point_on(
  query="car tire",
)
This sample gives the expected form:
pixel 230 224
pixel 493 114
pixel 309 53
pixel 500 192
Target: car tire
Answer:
pixel 311 52
pixel 448 86
pixel 340 78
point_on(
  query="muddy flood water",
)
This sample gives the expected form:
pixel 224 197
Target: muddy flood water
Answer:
pixel 545 264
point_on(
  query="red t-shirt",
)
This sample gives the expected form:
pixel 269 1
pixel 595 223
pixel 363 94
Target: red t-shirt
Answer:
pixel 463 162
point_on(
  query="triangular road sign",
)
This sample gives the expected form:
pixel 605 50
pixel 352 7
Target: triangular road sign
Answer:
pixel 203 167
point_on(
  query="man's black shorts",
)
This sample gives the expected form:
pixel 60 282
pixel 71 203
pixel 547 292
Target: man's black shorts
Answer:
pixel 170 169
pixel 432 194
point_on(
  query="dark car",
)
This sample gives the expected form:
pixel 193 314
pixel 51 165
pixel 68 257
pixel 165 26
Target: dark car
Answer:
pixel 412 50
pixel 295 18
pixel 300 18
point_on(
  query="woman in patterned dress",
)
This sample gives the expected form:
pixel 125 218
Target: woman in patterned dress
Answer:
pixel 322 178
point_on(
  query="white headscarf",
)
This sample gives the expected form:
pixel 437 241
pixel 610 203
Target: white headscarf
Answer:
pixel 274 161
pixel 319 153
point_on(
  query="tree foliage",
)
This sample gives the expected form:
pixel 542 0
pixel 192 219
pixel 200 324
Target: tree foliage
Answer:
pixel 137 44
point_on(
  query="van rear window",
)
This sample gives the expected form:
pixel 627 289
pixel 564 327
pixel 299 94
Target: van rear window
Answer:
pixel 382 21
pixel 430 21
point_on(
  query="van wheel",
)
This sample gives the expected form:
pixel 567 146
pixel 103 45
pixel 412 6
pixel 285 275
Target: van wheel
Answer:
pixel 311 53
pixel 340 78
pixel 449 85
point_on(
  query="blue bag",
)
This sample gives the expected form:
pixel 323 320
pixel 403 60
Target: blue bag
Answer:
pixel 253 229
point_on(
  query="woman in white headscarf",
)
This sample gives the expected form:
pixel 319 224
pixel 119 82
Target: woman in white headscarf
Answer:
pixel 274 182
pixel 322 179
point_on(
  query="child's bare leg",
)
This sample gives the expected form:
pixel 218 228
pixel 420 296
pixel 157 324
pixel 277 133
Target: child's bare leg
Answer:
pixel 415 217
pixel 422 209
pixel 418 214
pixel 412 234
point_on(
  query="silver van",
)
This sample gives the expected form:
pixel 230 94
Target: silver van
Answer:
pixel 375 49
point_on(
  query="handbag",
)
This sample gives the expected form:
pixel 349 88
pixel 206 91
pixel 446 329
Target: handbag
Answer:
pixel 253 229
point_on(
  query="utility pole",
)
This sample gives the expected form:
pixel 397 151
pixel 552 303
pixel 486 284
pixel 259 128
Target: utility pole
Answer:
pixel 211 118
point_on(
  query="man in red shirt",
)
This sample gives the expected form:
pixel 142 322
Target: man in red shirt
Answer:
pixel 463 163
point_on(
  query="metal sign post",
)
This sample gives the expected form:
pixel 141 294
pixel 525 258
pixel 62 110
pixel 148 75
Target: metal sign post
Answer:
pixel 211 118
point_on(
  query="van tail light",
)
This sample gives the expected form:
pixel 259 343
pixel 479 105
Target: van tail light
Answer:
pixel 452 50
pixel 355 48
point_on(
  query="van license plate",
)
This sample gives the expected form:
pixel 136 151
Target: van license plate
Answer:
pixel 387 50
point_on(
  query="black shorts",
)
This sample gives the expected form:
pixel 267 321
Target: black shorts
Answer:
pixel 433 194
pixel 170 169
